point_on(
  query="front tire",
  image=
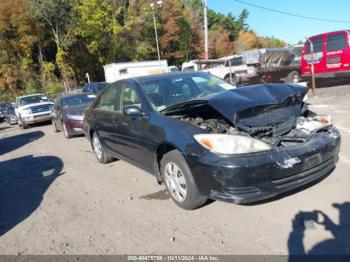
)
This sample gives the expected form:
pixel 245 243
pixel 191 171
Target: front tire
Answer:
pixel 179 181
pixel 100 153
pixel 66 132
pixel 23 123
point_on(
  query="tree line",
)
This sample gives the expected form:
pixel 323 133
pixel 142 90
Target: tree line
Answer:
pixel 46 43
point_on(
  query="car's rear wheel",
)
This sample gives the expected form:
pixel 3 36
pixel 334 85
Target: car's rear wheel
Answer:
pixel 66 132
pixel 100 153
pixel 232 80
pixel 179 181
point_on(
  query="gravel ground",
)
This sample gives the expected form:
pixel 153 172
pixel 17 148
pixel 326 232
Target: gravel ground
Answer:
pixel 56 199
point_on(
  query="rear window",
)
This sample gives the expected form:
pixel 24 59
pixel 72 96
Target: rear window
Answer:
pixel 336 42
pixel 317 44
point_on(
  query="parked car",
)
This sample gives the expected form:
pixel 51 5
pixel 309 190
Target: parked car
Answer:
pixel 94 88
pixel 206 141
pixel 233 70
pixel 269 65
pixel 331 55
pixel 10 114
pixel 2 111
pixel 67 113
pixel 32 109
pixel 201 65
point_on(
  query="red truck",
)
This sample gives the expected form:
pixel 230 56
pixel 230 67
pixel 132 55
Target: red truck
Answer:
pixel 331 55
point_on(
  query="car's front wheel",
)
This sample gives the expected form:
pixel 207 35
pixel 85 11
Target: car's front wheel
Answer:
pixel 100 153
pixel 179 181
pixel 66 132
pixel 22 123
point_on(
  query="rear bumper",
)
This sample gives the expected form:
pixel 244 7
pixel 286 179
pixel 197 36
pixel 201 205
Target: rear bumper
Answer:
pixel 74 127
pixel 253 177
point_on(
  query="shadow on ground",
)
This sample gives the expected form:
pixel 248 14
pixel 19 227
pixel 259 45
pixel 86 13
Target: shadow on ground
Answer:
pixel 11 143
pixel 338 244
pixel 23 182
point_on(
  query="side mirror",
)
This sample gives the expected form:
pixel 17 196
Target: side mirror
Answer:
pixel 133 111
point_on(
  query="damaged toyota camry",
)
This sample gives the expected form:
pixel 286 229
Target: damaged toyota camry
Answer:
pixel 205 139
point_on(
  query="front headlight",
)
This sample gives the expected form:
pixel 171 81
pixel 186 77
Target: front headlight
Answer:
pixel 231 144
pixel 75 117
pixel 27 112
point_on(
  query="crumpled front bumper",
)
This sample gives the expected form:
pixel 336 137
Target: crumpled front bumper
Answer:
pixel 253 177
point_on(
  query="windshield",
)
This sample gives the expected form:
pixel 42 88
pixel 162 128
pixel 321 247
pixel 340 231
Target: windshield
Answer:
pixel 32 100
pixel 77 100
pixel 169 90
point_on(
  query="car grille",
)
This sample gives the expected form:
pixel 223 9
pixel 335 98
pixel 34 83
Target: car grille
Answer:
pixel 41 116
pixel 308 175
pixel 39 109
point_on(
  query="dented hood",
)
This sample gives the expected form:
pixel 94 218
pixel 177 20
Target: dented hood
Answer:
pixel 259 105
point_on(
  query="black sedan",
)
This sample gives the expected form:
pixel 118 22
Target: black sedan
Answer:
pixel 206 139
pixel 67 113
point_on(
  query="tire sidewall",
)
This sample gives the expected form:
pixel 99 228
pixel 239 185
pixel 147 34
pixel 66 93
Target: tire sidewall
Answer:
pixel 104 157
pixel 193 198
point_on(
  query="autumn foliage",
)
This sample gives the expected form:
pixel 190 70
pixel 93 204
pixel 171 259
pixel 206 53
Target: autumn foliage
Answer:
pixel 44 44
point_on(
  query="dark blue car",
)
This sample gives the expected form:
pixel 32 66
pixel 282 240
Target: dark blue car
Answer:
pixel 206 139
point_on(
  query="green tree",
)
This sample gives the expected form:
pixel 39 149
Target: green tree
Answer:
pixel 59 17
pixel 17 39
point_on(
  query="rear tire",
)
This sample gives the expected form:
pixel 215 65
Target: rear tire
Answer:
pixel 54 126
pixel 179 181
pixel 99 151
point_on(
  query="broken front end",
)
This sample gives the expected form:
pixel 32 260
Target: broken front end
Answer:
pixel 258 142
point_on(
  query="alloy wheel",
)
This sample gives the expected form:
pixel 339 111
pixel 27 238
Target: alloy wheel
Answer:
pixel 175 181
pixel 97 147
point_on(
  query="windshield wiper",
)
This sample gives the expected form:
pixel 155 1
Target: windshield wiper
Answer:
pixel 183 105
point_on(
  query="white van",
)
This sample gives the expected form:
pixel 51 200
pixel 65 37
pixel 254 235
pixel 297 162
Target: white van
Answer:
pixel 117 71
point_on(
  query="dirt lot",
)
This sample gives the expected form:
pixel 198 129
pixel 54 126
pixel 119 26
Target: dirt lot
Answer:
pixel 56 199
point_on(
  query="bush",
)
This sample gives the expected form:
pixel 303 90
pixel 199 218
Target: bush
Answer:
pixel 31 87
pixel 53 89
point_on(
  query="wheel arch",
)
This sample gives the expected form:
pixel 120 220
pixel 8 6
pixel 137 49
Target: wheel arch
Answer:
pixel 161 150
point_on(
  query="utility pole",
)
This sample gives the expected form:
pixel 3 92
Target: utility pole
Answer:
pixel 313 82
pixel 159 3
pixel 206 28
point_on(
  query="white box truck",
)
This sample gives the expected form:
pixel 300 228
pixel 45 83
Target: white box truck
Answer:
pixel 117 71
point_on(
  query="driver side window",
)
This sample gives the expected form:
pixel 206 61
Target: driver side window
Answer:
pixel 128 97
pixel 107 99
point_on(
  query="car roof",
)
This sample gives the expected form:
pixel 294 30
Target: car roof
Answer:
pixel 334 32
pixel 74 95
pixel 178 73
pixel 32 95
